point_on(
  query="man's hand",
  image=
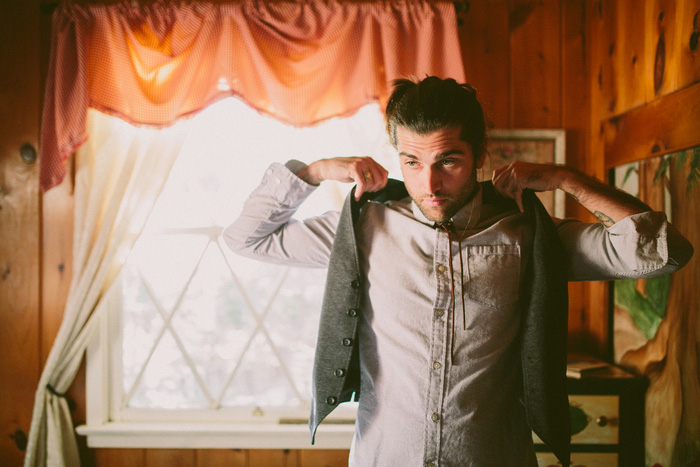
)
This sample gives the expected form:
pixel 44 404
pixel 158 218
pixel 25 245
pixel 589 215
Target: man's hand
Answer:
pixel 512 179
pixel 606 202
pixel 364 171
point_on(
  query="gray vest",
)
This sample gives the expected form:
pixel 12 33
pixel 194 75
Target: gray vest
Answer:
pixel 544 304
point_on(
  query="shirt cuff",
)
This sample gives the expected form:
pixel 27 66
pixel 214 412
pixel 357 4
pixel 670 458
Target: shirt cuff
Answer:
pixel 650 224
pixel 643 239
pixel 280 183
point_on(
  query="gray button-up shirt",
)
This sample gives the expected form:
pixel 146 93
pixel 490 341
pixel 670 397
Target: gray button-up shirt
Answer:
pixel 426 399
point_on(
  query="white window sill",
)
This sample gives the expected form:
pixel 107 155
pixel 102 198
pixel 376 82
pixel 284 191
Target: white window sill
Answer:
pixel 215 436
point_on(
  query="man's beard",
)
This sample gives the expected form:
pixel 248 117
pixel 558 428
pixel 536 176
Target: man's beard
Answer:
pixel 454 203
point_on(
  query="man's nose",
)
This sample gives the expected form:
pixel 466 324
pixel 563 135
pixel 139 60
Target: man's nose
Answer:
pixel 433 181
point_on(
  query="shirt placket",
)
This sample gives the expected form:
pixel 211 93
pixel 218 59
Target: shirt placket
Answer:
pixel 439 350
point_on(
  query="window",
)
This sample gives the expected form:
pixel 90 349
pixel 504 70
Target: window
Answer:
pixel 198 341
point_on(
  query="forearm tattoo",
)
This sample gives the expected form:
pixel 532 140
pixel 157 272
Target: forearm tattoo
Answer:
pixel 606 220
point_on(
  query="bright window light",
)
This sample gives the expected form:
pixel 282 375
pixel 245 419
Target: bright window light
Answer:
pixel 200 329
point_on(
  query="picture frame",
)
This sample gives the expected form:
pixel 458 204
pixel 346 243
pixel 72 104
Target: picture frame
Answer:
pixel 530 145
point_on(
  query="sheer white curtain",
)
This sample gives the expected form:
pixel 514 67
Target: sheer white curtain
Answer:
pixel 119 175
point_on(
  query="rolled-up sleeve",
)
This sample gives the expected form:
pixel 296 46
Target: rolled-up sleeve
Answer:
pixel 641 245
pixel 266 231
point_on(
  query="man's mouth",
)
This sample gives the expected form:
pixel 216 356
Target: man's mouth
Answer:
pixel 434 202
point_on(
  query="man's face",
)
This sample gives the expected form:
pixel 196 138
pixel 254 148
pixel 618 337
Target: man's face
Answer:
pixel 439 170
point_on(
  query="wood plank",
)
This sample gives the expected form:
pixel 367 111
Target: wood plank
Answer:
pixel 689 59
pixel 112 457
pixel 325 458
pixel 57 259
pixel 170 458
pixel 19 224
pixel 666 125
pixel 222 458
pixel 628 52
pixel 276 457
pixel 602 36
pixel 593 326
pixel 576 119
pixel 485 51
pixel 535 56
pixel 663 20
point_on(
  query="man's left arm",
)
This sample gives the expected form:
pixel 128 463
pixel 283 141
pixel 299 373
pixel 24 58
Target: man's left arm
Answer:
pixel 607 203
pixel 630 241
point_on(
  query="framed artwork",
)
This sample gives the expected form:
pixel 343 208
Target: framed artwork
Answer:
pixel 541 146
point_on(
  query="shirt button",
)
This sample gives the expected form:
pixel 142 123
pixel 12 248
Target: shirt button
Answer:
pixel 439 313
pixel 347 342
pixel 340 372
pixel 436 365
pixel 435 417
pixel 441 268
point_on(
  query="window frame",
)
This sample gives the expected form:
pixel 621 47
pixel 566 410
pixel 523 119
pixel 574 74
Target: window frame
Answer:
pixel 184 428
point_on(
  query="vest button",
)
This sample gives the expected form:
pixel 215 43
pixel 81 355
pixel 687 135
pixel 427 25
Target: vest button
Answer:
pixel 331 400
pixel 347 342
pixel 355 284
pixel 340 372
pixel 352 312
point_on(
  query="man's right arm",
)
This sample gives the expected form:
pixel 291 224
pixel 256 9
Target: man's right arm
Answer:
pixel 265 229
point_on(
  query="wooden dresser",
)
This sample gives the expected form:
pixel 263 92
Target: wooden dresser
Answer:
pixel 607 418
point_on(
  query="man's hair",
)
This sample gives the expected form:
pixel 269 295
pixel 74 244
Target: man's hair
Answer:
pixel 432 104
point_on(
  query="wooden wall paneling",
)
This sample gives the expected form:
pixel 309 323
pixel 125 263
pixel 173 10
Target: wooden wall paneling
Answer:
pixel 575 118
pixel 655 128
pixel 627 50
pixel 56 258
pixel 485 44
pixel 687 23
pixel 222 458
pixel 326 458
pixel 601 19
pixel 115 457
pixel 662 29
pixel 171 458
pixel 19 225
pixel 601 49
pixel 276 457
pixel 535 56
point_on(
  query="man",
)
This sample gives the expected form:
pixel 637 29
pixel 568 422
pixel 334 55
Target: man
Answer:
pixel 425 313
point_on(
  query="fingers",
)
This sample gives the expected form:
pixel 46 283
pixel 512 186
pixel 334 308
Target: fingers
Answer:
pixel 506 181
pixel 364 171
pixel 368 175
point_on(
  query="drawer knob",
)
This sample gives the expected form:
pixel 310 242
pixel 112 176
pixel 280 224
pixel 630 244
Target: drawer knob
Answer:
pixel 602 420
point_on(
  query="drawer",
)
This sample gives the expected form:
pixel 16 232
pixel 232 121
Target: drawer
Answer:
pixel 599 418
pixel 594 419
pixel 579 459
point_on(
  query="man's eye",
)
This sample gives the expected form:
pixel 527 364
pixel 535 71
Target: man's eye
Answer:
pixel 447 162
pixel 411 163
